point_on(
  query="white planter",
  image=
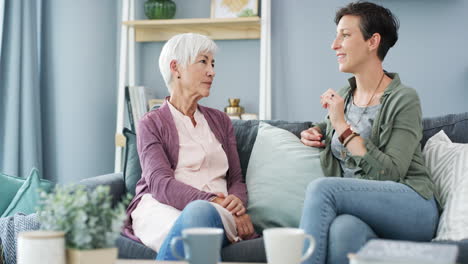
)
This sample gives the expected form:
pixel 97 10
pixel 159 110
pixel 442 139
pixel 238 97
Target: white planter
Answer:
pixel 92 256
pixel 44 246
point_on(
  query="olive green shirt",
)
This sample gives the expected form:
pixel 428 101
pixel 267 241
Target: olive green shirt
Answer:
pixel 394 148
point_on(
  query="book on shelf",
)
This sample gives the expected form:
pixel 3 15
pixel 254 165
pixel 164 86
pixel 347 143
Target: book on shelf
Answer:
pixel 143 101
pixel 381 251
pixel 139 107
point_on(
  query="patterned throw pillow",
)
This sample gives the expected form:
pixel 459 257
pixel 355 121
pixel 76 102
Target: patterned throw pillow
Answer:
pixel 448 164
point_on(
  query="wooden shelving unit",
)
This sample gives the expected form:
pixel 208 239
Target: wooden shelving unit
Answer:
pixel 161 30
pixel 215 28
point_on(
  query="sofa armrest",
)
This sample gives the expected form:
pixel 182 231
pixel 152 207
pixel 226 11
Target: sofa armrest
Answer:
pixel 114 180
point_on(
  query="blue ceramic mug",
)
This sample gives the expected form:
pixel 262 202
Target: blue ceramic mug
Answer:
pixel 201 245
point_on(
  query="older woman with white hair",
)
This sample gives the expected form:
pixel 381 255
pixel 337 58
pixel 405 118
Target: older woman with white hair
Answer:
pixel 191 175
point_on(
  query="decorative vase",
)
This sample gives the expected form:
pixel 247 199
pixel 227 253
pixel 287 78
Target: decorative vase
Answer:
pixel 234 109
pixel 160 9
pixel 92 256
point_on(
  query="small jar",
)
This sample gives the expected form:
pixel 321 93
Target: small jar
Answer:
pixel 41 247
pixel 160 9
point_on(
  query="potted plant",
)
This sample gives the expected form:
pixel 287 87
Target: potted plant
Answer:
pixel 160 9
pixel 90 222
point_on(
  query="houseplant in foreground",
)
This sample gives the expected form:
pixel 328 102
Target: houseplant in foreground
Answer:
pixel 90 222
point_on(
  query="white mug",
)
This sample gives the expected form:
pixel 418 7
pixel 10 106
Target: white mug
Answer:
pixel 41 247
pixel 285 245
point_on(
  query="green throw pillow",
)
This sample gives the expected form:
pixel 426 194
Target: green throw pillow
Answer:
pixel 9 187
pixel 27 196
pixel 280 168
pixel 132 168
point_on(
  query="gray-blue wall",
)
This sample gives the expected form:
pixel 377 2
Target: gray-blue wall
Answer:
pixel 237 63
pixel 429 55
pixel 81 40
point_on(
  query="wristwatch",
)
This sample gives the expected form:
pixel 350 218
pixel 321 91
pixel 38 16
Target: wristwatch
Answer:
pixel 348 132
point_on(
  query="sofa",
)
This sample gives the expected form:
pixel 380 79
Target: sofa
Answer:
pixel 454 125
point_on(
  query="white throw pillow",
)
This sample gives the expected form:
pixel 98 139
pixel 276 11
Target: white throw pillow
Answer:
pixel 448 163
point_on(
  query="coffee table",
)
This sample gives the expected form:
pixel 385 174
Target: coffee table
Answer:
pixel 131 261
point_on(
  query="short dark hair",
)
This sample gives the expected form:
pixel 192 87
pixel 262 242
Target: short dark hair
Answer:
pixel 373 19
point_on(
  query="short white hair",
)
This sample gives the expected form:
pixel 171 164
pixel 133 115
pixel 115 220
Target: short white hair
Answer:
pixel 184 48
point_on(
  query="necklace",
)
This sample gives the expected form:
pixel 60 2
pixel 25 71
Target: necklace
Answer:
pixel 343 151
pixel 370 100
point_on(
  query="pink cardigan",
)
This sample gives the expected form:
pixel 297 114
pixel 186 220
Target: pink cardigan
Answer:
pixel 158 148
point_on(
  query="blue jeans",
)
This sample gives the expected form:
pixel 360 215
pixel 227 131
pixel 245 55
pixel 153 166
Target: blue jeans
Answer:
pixel 343 214
pixel 198 213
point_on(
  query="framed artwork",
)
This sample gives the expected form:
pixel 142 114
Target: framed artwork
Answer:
pixel 233 8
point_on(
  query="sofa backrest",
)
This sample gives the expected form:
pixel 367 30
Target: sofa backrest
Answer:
pixel 454 125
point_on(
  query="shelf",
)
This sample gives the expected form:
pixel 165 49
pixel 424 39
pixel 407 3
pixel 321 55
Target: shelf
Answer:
pixel 215 28
pixel 162 30
pixel 120 140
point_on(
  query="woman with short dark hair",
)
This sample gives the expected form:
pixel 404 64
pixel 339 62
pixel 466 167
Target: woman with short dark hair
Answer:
pixel 371 139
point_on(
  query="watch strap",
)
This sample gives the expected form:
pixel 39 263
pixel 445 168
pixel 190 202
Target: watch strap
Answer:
pixel 345 134
pixel 348 139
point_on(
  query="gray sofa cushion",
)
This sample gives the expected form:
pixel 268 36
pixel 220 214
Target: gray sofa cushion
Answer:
pixel 245 251
pixel 132 168
pixel 129 249
pixel 113 180
pixel 454 125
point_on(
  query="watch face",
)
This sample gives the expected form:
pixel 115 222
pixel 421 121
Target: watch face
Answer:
pixel 355 130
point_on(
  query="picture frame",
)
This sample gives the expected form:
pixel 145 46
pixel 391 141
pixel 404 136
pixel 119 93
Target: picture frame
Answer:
pixel 234 8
